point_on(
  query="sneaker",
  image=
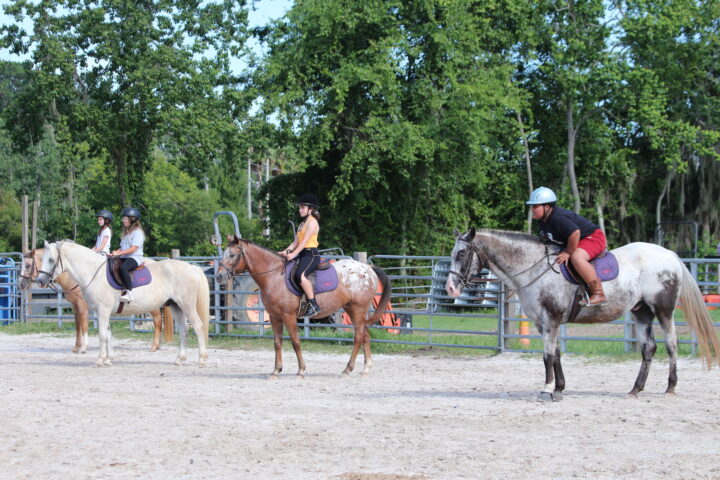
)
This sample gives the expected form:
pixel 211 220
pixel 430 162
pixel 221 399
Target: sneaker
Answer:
pixel 126 296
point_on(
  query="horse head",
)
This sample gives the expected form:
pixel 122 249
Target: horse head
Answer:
pixel 51 265
pixel 232 262
pixel 466 262
pixel 30 267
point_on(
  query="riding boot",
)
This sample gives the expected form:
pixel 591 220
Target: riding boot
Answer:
pixel 597 296
pixel 312 309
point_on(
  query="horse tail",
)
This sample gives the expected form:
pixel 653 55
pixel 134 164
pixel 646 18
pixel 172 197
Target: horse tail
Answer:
pixel 202 304
pixel 697 316
pixel 385 298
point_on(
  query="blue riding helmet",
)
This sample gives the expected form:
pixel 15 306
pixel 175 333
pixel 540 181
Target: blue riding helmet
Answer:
pixel 541 196
pixel 105 214
pixel 131 212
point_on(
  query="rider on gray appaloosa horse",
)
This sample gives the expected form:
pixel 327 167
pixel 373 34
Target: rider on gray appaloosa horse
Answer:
pixel 650 282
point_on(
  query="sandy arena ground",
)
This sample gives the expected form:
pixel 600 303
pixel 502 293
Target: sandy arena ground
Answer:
pixel 414 417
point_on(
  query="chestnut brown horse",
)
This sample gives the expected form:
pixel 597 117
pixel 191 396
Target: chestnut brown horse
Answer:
pixel 70 288
pixel 357 286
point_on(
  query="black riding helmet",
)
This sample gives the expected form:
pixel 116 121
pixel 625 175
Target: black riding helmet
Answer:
pixel 105 214
pixel 308 199
pixel 131 212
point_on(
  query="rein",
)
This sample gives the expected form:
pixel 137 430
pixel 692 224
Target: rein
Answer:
pixel 484 261
pixel 52 286
pixel 231 273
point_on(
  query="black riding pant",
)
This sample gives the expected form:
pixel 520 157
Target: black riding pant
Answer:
pixel 308 260
pixel 126 265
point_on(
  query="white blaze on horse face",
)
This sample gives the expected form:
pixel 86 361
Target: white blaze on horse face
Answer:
pixel 49 261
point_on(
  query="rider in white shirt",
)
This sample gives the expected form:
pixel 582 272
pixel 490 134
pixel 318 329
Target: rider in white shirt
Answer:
pixel 104 236
pixel 131 249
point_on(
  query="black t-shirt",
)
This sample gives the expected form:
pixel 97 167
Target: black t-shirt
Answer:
pixel 562 223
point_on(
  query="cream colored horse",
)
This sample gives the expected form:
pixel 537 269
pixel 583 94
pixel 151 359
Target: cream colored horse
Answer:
pixel 178 284
pixel 71 290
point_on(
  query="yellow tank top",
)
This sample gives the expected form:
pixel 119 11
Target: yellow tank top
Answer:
pixel 313 241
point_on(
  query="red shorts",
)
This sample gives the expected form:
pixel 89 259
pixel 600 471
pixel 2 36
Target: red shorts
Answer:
pixel 593 244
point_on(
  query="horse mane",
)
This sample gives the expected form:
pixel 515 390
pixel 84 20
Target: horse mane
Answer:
pixel 512 235
pixel 248 242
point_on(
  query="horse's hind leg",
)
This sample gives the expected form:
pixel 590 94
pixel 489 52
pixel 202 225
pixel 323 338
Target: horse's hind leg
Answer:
pixel 368 355
pixel 197 325
pixel 667 322
pixel 179 318
pixel 643 320
pixel 80 310
pixel 358 321
pixel 292 328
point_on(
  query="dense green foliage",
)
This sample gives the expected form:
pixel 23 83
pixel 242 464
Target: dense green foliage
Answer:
pixel 407 118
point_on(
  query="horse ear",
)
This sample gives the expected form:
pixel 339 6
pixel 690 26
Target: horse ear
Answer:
pixel 237 239
pixel 471 234
pixel 230 238
pixel 46 244
pixel 456 233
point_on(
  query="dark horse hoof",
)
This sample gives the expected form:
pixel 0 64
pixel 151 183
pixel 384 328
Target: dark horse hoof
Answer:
pixel 555 396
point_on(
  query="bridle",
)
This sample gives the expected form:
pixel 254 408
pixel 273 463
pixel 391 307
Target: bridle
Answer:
pixel 465 276
pixel 50 274
pixel 30 256
pixel 231 271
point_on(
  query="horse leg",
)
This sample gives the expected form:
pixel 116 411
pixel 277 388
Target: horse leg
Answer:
pixel 104 337
pixel 80 310
pixel 643 320
pixel 277 327
pixel 358 321
pixel 199 332
pixel 157 323
pixel 559 377
pixel 551 359
pixel 180 326
pixel 368 355
pixel 292 328
pixel 667 322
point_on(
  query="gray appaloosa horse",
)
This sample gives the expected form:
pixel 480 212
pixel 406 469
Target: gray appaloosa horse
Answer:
pixel 651 281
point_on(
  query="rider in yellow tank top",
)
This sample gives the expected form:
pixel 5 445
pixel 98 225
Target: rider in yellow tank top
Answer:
pixel 313 239
pixel 304 248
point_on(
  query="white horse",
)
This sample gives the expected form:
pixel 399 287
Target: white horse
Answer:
pixel 175 283
pixel 651 281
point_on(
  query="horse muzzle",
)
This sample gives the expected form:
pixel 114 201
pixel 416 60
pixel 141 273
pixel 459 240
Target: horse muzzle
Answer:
pixel 451 289
pixel 43 279
pixel 222 277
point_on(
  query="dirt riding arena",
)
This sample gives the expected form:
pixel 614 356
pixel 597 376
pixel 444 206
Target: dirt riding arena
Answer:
pixel 414 417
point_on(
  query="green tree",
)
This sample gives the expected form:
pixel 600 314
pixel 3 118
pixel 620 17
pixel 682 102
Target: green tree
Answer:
pixel 402 115
pixel 120 73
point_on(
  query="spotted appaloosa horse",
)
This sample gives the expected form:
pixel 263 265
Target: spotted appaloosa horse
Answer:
pixel 651 281
pixel 71 290
pixel 357 285
pixel 178 284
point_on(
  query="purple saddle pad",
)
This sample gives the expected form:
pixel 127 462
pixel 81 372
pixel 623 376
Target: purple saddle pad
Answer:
pixel 325 280
pixel 139 277
pixel 606 268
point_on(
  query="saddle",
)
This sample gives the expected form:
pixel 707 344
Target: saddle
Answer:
pixel 606 267
pixel 140 276
pixel 324 278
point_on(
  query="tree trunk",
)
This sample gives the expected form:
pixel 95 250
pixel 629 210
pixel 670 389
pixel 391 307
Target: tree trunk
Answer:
pixel 528 166
pixel 570 124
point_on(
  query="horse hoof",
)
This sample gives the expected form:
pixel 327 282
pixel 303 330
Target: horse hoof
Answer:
pixel 557 396
pixel 84 350
pixel 107 362
pixel 178 362
pixel 301 376
pixel 545 397
pixel 99 363
pixel 273 376
pixel 632 395
pixel 76 350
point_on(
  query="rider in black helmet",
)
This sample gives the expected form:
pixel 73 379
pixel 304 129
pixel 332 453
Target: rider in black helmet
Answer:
pixel 102 241
pixel 304 248
pixel 131 249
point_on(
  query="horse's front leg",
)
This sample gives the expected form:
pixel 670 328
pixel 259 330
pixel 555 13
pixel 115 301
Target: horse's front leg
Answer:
pixel 80 310
pixel 104 337
pixel 554 378
pixel 291 324
pixel 277 327
pixel 157 324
